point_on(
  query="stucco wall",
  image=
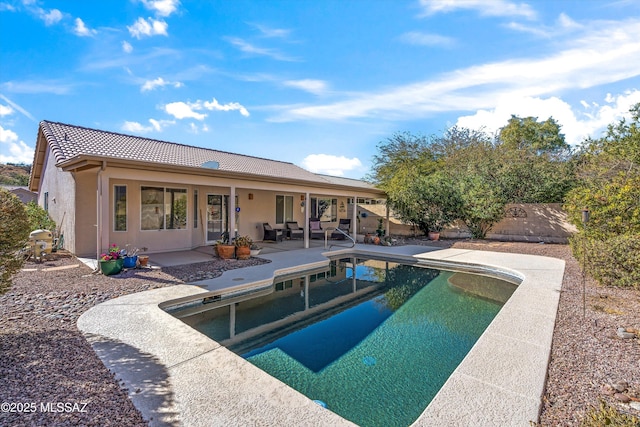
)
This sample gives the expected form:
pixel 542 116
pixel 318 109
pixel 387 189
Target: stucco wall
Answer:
pixel 60 187
pixel 523 222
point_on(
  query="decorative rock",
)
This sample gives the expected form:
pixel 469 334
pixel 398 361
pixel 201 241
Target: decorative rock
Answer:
pixel 622 333
pixel 622 397
pixel 607 390
pixel 621 386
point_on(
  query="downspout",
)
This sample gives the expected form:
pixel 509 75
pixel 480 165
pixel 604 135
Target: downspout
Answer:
pixel 99 215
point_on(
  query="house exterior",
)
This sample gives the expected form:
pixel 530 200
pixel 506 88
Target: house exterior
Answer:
pixel 23 193
pixel 103 187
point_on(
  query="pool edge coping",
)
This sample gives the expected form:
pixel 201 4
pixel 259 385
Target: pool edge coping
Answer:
pixel 491 386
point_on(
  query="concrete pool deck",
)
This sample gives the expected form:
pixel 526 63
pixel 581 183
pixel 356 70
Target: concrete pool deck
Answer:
pixel 177 376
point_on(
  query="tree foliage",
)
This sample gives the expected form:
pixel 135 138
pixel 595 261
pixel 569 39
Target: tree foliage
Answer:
pixel 529 134
pixel 430 202
pixel 609 187
pixel 14 232
pixel 468 175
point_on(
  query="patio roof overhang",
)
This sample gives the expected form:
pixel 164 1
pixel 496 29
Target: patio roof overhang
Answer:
pixel 85 162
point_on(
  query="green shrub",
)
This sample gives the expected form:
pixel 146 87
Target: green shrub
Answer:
pixel 612 262
pixel 14 232
pixel 606 415
pixel 39 218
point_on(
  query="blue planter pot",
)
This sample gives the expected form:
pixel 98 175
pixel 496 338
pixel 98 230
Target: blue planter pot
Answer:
pixel 130 261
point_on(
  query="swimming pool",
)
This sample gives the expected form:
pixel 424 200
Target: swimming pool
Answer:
pixel 371 339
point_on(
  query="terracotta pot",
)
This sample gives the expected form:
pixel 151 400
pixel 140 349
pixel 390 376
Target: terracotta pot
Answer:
pixel 243 252
pixel 226 251
pixel 143 259
pixel 434 235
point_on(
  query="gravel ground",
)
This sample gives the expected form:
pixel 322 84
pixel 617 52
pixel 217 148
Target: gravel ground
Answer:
pixel 52 377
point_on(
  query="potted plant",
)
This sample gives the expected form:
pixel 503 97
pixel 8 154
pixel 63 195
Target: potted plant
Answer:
pixel 255 249
pixel 224 248
pixel 243 247
pixel 111 262
pixel 130 257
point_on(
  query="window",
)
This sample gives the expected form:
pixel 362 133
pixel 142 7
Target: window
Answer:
pixel 195 208
pixel 46 201
pixel 163 208
pixel 284 209
pixel 120 208
pixel 175 208
pixel 324 209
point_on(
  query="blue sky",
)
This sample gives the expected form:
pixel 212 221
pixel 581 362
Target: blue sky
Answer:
pixel 316 83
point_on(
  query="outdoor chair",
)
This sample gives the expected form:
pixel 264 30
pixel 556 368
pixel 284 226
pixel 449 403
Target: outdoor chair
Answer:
pixel 344 225
pixel 271 233
pixel 315 229
pixel 295 232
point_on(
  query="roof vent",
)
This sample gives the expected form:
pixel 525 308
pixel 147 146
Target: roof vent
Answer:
pixel 211 165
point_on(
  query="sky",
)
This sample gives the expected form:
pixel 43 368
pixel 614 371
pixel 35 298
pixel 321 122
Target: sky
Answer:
pixel 318 83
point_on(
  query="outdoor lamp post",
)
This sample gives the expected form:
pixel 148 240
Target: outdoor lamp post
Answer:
pixel 585 221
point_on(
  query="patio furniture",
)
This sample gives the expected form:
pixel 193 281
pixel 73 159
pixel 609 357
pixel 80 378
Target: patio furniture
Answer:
pixel 344 225
pixel 294 230
pixel 315 229
pixel 271 233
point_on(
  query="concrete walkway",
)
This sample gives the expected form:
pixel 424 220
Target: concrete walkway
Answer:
pixel 177 376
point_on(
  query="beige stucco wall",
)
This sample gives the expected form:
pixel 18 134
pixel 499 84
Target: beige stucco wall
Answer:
pixel 524 222
pixel 61 187
pixel 253 212
pixel 539 222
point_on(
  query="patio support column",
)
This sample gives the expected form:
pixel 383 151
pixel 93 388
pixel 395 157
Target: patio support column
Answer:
pixel 354 224
pixel 307 201
pixel 233 227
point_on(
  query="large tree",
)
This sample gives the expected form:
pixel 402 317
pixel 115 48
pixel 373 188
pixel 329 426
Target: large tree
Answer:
pixel 609 187
pixel 530 134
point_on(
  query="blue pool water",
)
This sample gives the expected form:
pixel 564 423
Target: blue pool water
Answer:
pixel 391 338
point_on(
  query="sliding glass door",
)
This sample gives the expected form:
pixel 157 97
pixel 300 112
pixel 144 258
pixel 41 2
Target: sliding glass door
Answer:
pixel 217 217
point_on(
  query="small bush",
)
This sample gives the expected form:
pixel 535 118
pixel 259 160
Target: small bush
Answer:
pixel 14 232
pixel 612 262
pixel 606 415
pixel 39 218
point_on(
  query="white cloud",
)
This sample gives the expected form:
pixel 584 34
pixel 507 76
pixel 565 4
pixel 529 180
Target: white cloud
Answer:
pixel 604 54
pixel 17 107
pixel 81 29
pixel 317 87
pixel 126 47
pixel 231 106
pixel 51 17
pixel 155 125
pixel 150 27
pixel 162 8
pixel 19 152
pixel 483 7
pixel 577 125
pixel 425 39
pixel 5 111
pixel 329 164
pixel 181 110
pixel 272 32
pixel 156 83
pixel 249 48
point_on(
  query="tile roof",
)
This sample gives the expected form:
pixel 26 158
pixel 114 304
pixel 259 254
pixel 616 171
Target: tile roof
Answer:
pixel 68 141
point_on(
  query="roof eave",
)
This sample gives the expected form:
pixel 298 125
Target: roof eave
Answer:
pixel 84 162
